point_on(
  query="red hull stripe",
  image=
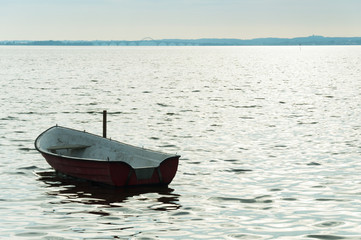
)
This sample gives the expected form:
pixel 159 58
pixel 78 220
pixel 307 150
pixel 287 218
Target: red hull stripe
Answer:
pixel 112 173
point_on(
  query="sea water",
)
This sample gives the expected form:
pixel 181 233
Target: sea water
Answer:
pixel 269 138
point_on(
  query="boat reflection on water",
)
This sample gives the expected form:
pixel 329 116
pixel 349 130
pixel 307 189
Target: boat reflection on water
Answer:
pixel 71 190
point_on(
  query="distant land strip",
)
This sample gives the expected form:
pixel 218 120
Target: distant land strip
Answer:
pixel 311 40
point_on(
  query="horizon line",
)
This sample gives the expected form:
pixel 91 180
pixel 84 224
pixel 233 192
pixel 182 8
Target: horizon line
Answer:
pixel 148 41
pixel 160 39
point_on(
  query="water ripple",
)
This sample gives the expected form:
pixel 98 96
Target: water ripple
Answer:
pixel 269 138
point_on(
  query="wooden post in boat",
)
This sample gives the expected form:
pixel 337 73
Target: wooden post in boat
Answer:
pixel 104 123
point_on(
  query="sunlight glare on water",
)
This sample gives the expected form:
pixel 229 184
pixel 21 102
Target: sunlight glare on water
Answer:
pixel 269 139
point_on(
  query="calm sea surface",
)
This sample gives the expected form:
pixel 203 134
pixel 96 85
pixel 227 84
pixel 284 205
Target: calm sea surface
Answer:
pixel 270 139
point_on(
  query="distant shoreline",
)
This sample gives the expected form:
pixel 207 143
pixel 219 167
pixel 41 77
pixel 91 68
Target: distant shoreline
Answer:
pixel 307 41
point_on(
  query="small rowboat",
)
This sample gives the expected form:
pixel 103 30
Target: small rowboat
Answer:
pixel 87 156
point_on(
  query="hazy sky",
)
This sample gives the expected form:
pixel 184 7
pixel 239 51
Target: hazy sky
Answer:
pixel 186 19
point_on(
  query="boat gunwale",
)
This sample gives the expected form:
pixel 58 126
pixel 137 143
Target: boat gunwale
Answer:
pixel 41 150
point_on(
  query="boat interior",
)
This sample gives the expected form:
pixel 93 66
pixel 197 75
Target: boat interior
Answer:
pixel 86 146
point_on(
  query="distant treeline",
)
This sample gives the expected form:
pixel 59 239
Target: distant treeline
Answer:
pixel 312 40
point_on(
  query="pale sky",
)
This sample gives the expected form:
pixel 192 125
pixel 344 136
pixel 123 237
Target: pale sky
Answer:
pixel 185 19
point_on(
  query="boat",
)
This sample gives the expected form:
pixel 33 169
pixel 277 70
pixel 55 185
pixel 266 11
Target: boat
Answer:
pixel 95 158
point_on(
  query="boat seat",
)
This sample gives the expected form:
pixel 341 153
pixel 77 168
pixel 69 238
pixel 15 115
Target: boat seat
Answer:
pixel 69 146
